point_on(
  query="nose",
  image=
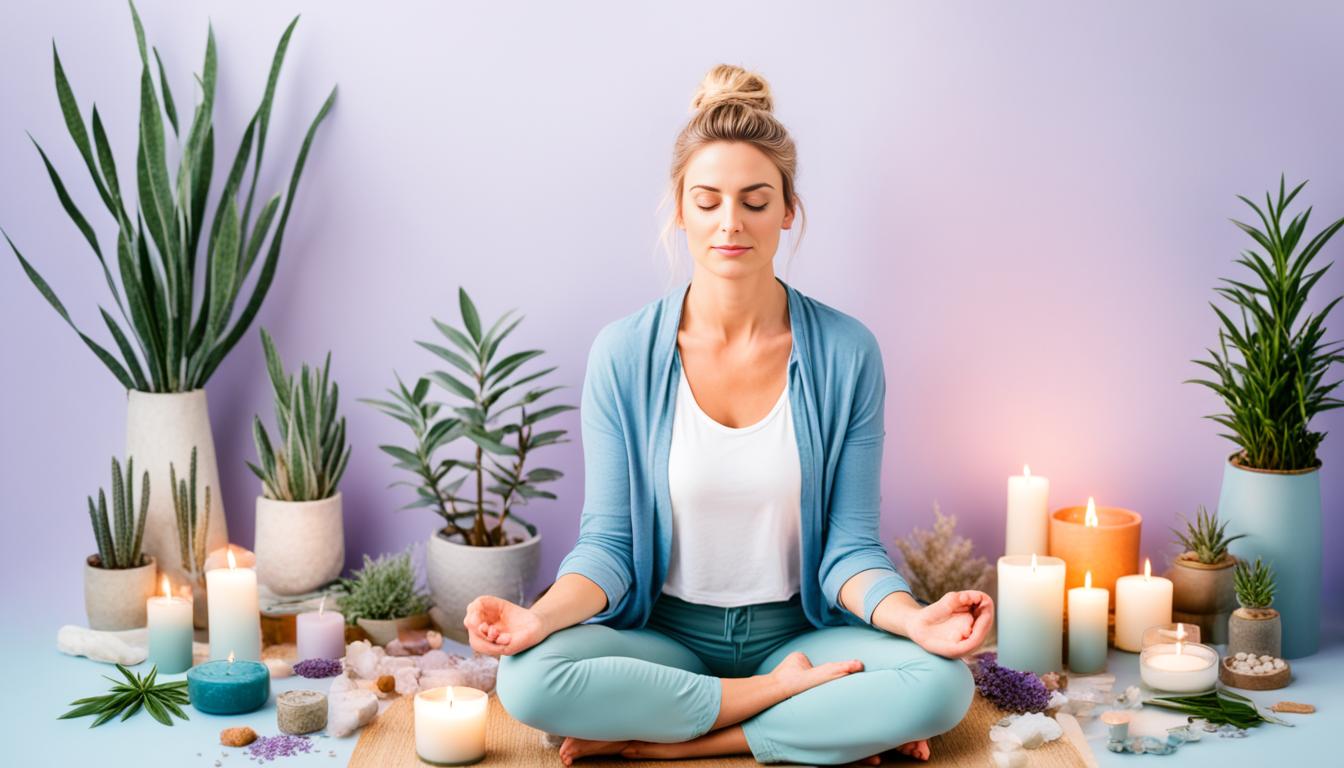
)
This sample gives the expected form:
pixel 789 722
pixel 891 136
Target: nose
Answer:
pixel 732 219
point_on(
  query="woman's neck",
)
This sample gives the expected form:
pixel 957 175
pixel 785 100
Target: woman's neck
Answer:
pixel 733 310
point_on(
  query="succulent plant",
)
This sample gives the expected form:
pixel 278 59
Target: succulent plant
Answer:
pixel 119 538
pixel 1254 584
pixel 1205 537
pixel 313 452
pixel 191 527
pixel 384 588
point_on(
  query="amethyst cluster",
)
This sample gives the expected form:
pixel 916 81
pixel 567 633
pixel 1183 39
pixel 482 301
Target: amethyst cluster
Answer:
pixel 1009 689
pixel 318 668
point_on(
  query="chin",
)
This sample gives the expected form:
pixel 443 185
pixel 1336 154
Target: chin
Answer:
pixel 735 269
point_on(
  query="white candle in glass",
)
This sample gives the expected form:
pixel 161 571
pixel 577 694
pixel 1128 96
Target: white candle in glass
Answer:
pixel 1179 667
pixel 235 618
pixel 321 633
pixel 1140 602
pixel 1028 519
pixel 450 725
pixel 1031 613
pixel 170 631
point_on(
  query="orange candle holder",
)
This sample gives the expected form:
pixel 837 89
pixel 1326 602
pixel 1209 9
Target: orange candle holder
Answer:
pixel 1107 546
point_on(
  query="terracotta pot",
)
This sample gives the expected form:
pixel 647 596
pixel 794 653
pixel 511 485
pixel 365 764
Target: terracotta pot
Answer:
pixel 114 598
pixel 1255 630
pixel 384 631
pixel 300 545
pixel 1203 594
pixel 459 573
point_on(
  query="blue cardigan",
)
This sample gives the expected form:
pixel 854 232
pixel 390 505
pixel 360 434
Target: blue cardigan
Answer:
pixel 836 391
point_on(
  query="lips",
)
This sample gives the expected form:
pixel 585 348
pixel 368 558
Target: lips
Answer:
pixel 732 250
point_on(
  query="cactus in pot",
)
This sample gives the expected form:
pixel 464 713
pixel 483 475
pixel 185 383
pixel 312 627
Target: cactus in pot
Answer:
pixel 119 577
pixel 1202 575
pixel 1255 627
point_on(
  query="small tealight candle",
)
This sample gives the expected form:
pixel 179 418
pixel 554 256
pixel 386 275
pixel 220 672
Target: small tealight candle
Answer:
pixel 229 687
pixel 321 633
pixel 1179 667
pixel 170 631
pixel 1087 628
pixel 235 617
pixel 1140 602
pixel 1117 724
pixel 1027 531
pixel 450 725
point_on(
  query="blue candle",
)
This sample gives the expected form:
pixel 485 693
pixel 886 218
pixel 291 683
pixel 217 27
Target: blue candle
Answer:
pixel 229 687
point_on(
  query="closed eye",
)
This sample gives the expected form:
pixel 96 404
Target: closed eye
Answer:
pixel 749 205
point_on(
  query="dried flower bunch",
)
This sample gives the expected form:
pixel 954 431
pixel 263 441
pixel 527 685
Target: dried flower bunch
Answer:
pixel 940 561
pixel 1009 689
pixel 1205 537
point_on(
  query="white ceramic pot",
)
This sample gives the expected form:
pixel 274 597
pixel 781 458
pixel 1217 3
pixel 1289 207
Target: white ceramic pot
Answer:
pixel 114 598
pixel 300 545
pixel 384 631
pixel 162 428
pixel 458 573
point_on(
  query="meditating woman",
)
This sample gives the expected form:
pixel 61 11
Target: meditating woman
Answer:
pixel 728 592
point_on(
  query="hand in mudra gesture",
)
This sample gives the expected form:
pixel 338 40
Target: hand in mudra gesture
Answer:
pixel 498 627
pixel 955 625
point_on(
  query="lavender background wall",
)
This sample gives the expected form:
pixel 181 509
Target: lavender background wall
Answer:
pixel 1028 207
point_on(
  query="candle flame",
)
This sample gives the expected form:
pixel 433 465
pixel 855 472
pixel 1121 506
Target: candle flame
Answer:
pixel 1090 519
pixel 230 657
pixel 1087 580
pixel 1033 562
pixel 1180 635
pixel 167 590
pixel 1147 569
pixel 233 563
pixel 322 606
pixel 1026 471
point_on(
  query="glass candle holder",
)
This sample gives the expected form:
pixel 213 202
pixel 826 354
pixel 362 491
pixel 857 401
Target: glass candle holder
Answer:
pixel 1176 632
pixel 450 725
pixel 1179 667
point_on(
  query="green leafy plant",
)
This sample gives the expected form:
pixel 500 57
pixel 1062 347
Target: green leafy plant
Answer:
pixel 119 538
pixel 499 450
pixel 383 589
pixel 191 527
pixel 180 337
pixel 160 700
pixel 1205 537
pixel 1221 707
pixel 1273 386
pixel 1254 584
pixel 313 452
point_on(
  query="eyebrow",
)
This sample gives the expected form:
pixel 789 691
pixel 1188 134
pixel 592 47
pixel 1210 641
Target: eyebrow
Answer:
pixel 744 189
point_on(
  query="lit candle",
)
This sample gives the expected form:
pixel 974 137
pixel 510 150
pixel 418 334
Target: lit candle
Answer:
pixel 1087 627
pixel 321 635
pixel 170 631
pixel 1103 540
pixel 229 687
pixel 1027 531
pixel 1140 602
pixel 1179 667
pixel 235 619
pixel 1031 613
pixel 450 725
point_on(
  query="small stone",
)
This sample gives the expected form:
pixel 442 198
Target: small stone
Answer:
pixel 279 668
pixel 299 712
pixel 1266 657
pixel 1280 664
pixel 1293 707
pixel 350 710
pixel 236 737
pixel 387 683
pixel 435 640
pixel 1241 656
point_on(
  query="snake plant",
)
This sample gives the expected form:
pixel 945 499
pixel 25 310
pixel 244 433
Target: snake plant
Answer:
pixel 119 537
pixel 172 335
pixel 191 527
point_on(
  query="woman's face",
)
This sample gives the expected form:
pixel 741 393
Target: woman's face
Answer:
pixel 732 195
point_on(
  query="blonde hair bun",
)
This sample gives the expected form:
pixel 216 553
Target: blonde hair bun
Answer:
pixel 730 83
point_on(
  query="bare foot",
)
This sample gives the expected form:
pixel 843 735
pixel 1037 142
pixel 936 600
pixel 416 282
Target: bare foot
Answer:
pixel 874 760
pixel 916 749
pixel 573 749
pixel 796 674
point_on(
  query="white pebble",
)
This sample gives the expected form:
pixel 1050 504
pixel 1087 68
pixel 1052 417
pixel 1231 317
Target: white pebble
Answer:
pixel 1265 657
pixel 1241 656
pixel 1279 664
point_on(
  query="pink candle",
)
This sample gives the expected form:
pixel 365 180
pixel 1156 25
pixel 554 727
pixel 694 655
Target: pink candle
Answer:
pixel 321 635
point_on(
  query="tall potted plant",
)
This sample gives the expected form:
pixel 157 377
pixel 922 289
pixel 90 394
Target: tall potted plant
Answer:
pixel 300 533
pixel 1201 576
pixel 170 334
pixel 1269 369
pixel 484 546
pixel 119 578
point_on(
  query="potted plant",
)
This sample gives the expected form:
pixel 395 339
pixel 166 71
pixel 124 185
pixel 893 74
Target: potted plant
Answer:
pixel 119 578
pixel 192 533
pixel 1255 626
pixel 483 546
pixel 300 533
pixel 1201 576
pixel 1270 371
pixel 383 598
pixel 181 270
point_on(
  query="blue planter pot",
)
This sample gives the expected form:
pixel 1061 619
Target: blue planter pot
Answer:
pixel 1280 513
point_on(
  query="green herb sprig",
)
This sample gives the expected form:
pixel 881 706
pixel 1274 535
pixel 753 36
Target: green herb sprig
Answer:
pixel 1222 707
pixel 159 700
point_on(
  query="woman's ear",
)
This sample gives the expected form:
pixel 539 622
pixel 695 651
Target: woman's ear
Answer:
pixel 788 220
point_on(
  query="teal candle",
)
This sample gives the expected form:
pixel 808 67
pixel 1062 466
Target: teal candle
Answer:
pixel 1030 613
pixel 1087 628
pixel 229 687
pixel 170 631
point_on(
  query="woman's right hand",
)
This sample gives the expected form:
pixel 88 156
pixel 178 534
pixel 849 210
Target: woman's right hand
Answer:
pixel 498 627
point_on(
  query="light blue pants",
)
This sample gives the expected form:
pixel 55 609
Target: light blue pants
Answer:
pixel 660 683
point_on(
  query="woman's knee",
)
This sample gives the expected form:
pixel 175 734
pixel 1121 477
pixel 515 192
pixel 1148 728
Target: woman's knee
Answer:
pixel 949 688
pixel 522 685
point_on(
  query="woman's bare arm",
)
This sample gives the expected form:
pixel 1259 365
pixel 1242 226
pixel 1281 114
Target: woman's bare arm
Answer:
pixel 572 599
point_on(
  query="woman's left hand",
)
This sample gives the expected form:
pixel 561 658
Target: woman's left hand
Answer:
pixel 955 625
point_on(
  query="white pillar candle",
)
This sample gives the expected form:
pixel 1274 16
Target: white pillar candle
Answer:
pixel 170 631
pixel 1088 610
pixel 450 725
pixel 1031 613
pixel 1140 602
pixel 321 633
pixel 235 619
pixel 1028 518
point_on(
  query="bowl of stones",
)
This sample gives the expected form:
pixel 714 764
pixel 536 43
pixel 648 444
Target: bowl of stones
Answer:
pixel 1255 672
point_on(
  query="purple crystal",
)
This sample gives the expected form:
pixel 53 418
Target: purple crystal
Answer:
pixel 318 668
pixel 1010 689
pixel 271 747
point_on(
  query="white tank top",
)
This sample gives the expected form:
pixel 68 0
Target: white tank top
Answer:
pixel 736 506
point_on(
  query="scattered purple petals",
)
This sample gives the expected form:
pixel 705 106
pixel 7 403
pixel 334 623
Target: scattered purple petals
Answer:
pixel 1010 689
pixel 318 668
pixel 270 747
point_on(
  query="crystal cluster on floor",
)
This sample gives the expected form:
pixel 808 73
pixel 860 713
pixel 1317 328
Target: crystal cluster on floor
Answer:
pixel 1015 734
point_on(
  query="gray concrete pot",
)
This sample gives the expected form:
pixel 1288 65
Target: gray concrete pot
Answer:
pixel 300 545
pixel 114 598
pixel 1203 594
pixel 458 573
pixel 384 631
pixel 1255 630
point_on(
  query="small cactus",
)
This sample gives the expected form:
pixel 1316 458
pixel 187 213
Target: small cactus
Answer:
pixel 1205 537
pixel 191 528
pixel 119 538
pixel 1254 584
